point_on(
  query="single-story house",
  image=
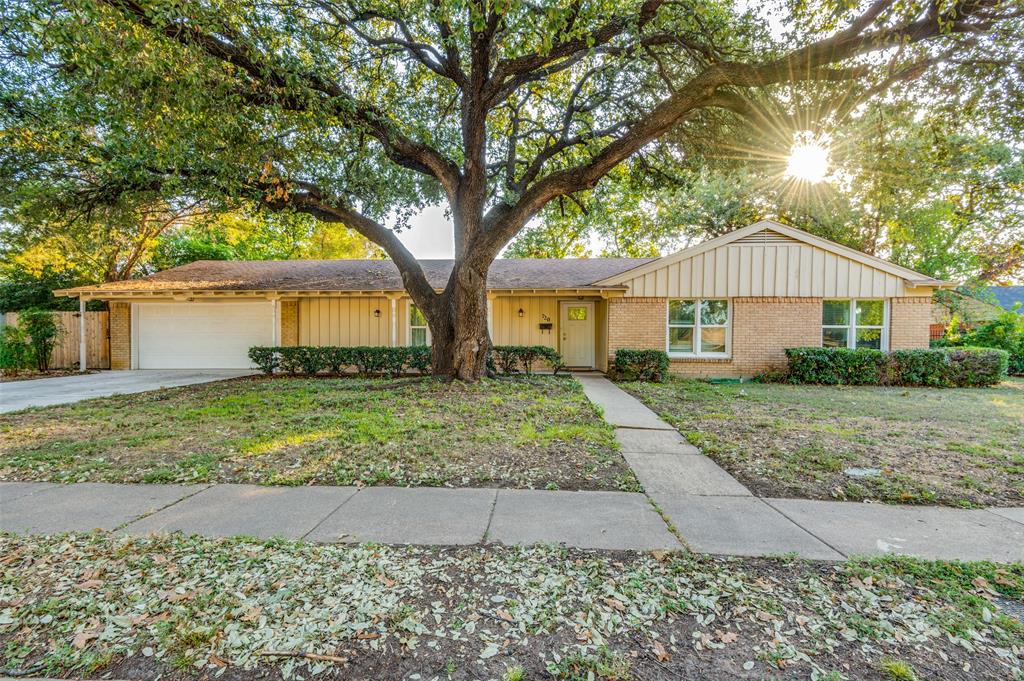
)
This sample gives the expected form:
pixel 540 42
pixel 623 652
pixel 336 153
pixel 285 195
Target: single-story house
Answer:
pixel 727 307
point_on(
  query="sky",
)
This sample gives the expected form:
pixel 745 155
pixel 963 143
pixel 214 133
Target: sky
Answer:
pixel 430 235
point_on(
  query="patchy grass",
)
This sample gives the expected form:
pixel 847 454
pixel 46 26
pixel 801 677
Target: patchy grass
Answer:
pixel 137 608
pixel 537 432
pixel 958 447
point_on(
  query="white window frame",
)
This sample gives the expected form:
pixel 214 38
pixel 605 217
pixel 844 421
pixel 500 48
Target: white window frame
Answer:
pixel 697 354
pixel 851 328
pixel 409 326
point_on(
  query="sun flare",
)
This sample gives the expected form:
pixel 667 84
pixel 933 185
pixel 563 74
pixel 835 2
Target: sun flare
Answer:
pixel 808 159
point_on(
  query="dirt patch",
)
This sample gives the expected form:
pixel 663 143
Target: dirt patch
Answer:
pixel 957 447
pixel 53 373
pixel 538 432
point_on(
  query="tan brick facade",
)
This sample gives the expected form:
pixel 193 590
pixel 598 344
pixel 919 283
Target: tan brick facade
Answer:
pixel 636 323
pixel 120 336
pixel 762 329
pixel 909 321
pixel 289 323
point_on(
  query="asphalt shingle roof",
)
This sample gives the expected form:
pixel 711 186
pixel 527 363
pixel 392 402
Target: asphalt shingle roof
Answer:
pixel 366 275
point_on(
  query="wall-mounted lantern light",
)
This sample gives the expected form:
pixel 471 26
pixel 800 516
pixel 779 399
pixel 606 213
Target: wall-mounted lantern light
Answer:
pixel 521 313
pixel 376 313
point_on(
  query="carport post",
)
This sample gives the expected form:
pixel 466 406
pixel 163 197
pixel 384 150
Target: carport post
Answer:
pixel 81 334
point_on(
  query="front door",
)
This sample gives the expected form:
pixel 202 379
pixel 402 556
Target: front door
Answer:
pixel 578 334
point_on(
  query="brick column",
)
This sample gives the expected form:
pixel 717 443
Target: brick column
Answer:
pixel 120 335
pixel 909 321
pixel 289 313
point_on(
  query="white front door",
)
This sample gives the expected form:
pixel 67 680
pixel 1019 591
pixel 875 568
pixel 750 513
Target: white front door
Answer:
pixel 577 333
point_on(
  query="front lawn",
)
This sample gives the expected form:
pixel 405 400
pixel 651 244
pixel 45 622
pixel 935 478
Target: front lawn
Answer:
pixel 192 608
pixel 538 432
pixel 959 447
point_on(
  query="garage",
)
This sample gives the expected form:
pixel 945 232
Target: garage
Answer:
pixel 200 335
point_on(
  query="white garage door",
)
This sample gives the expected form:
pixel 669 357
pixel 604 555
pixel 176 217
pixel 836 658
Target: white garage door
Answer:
pixel 201 335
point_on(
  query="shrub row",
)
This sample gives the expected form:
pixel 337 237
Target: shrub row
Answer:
pixel 368 361
pixel 511 359
pixel 389 361
pixel 640 365
pixel 958 367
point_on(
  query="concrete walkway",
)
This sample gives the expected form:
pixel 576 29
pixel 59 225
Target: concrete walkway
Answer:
pixel 42 392
pixel 714 513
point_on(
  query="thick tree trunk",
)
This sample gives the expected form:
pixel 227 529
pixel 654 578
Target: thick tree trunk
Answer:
pixel 459 325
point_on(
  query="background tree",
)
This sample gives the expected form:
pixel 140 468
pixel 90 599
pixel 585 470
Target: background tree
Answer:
pixel 361 112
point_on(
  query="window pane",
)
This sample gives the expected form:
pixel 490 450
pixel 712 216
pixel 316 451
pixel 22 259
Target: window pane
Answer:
pixel 680 339
pixel 712 339
pixel 835 313
pixel 578 314
pixel 870 312
pixel 714 312
pixel 416 317
pixel 869 338
pixel 418 336
pixel 834 338
pixel 680 312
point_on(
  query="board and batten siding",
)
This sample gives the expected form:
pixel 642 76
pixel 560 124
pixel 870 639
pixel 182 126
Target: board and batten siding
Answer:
pixel 508 328
pixel 768 270
pixel 344 321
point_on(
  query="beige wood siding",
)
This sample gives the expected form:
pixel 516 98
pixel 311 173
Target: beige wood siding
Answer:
pixel 508 328
pixel 66 351
pixel 773 270
pixel 344 321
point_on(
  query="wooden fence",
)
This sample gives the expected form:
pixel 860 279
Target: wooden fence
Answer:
pixel 97 339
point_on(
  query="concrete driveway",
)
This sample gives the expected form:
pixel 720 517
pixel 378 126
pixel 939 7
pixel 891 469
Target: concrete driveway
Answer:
pixel 64 389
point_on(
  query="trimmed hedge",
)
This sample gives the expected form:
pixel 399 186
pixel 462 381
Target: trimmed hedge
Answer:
pixel 954 368
pixel 388 361
pixel 640 365
pixel 510 359
pixel 368 361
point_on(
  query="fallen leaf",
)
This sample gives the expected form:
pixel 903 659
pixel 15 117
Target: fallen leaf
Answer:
pixel 252 614
pixel 726 636
pixel 385 581
pixel 91 584
pixel 616 603
pixel 83 638
pixel 367 635
pixel 660 555
pixel 216 660
pixel 660 652
pixel 505 615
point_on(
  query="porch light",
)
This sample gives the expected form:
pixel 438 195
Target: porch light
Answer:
pixel 521 313
pixel 376 313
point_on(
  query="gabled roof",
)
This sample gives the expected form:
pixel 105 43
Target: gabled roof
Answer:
pixel 773 229
pixel 359 275
pixel 1008 296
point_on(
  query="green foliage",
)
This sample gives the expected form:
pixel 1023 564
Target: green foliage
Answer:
pixel 511 359
pixel 640 365
pixel 958 367
pixel 43 332
pixel 367 361
pixel 15 351
pixel 1005 332
pixel 21 289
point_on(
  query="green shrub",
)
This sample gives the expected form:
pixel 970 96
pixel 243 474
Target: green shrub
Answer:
pixel 15 351
pixel 265 358
pixel 937 367
pixel 1005 332
pixel 640 365
pixel 976 367
pixel 43 331
pixel 368 361
pixel 511 359
pixel 834 366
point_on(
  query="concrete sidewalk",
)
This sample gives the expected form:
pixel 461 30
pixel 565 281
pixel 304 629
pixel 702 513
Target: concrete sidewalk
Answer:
pixel 42 392
pixel 714 513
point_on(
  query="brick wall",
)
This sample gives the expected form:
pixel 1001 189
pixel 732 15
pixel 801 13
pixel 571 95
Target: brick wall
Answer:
pixel 909 322
pixel 120 336
pixel 289 323
pixel 636 323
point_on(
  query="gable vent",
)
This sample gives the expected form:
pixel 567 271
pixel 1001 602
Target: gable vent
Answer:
pixel 766 236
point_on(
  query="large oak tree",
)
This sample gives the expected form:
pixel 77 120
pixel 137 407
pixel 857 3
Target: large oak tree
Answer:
pixel 360 112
